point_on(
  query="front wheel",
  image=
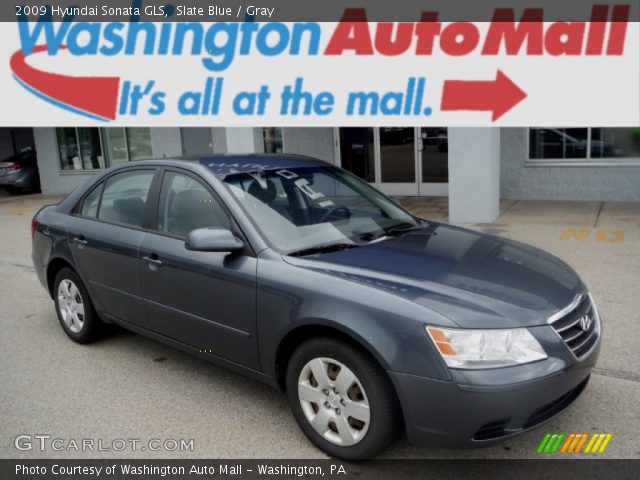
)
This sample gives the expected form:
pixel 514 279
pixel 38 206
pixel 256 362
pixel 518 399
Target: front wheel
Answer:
pixel 342 399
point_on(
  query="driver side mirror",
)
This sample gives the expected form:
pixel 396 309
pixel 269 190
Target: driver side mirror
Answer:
pixel 212 240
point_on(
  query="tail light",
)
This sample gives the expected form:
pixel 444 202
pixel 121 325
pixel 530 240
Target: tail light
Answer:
pixel 34 226
pixel 14 166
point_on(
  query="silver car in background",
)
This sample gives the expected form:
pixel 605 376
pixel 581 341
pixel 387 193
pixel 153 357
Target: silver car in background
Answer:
pixel 19 173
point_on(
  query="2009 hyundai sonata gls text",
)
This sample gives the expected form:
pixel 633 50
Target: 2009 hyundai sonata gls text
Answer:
pixel 374 322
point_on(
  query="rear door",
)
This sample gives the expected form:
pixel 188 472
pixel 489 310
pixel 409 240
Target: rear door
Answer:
pixel 203 299
pixel 105 236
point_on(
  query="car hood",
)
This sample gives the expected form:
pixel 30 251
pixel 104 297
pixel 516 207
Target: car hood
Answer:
pixel 476 280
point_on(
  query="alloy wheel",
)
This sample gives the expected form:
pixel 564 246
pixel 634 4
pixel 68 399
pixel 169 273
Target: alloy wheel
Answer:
pixel 71 306
pixel 334 401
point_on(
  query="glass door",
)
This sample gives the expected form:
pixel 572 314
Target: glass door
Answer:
pixel 357 153
pixel 403 161
pixel 433 161
pixel 397 161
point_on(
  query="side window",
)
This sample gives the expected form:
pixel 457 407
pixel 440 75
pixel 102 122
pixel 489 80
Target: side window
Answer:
pixel 125 197
pixel 185 204
pixel 91 201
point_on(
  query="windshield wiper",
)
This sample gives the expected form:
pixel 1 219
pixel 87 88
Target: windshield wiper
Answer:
pixel 329 247
pixel 402 228
pixel 398 229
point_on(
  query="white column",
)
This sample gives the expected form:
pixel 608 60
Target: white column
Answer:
pixel 474 175
pixel 166 142
pixel 244 140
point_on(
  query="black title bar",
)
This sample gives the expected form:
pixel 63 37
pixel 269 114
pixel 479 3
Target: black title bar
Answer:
pixel 299 11
pixel 112 469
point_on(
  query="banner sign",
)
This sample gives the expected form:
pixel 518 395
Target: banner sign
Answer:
pixel 74 67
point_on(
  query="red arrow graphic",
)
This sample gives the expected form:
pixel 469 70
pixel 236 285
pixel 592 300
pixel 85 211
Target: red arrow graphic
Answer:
pixel 498 96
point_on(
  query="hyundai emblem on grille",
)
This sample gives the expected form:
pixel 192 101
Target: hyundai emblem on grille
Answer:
pixel 585 322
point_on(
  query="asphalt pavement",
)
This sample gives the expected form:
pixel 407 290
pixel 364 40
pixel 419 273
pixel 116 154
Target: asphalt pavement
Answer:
pixel 132 388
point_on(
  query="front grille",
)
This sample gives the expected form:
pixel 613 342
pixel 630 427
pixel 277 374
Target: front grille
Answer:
pixel 579 328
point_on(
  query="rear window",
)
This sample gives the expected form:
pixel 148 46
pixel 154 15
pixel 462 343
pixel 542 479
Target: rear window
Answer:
pixel 125 197
pixel 91 202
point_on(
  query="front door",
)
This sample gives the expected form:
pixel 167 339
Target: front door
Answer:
pixel 400 161
pixel 203 299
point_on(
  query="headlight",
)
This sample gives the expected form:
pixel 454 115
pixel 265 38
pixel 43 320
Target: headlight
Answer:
pixel 486 348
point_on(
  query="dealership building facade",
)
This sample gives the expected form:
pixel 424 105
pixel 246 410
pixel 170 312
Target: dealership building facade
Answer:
pixel 474 167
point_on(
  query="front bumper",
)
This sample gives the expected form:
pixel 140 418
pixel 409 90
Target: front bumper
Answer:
pixel 484 407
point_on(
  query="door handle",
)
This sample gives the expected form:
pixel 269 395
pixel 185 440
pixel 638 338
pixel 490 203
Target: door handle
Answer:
pixel 81 241
pixel 153 260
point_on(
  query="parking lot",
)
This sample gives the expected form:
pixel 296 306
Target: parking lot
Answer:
pixel 127 386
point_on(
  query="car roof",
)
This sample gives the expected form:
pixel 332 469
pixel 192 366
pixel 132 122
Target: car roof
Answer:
pixel 223 165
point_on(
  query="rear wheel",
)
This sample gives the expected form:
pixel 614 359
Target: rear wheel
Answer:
pixel 75 311
pixel 342 399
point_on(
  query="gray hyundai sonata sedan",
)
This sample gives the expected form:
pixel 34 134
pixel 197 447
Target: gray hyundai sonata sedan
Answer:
pixel 374 322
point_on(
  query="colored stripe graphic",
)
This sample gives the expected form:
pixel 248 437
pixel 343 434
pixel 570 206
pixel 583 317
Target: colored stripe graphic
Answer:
pixel 605 442
pixel 598 443
pixel 89 96
pixel 581 443
pixel 567 443
pixel 543 443
pixel 556 445
pixel 550 443
pixel 574 442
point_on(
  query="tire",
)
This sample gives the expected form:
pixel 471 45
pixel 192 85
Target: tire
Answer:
pixel 75 311
pixel 342 428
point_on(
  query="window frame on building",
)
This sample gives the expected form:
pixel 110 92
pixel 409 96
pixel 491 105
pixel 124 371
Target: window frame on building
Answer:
pixel 269 130
pixel 105 153
pixel 78 144
pixel 586 161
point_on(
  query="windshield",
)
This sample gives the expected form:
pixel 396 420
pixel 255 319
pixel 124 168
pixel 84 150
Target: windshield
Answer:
pixel 305 207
